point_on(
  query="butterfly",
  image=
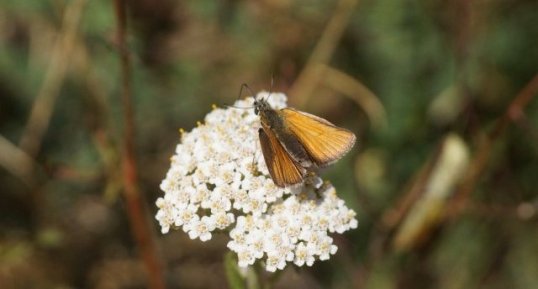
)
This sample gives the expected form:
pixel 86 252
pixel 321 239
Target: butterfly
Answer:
pixel 295 142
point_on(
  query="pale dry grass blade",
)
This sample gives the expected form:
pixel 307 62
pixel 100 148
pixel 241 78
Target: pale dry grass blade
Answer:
pixel 358 92
pixel 45 100
pixel 312 74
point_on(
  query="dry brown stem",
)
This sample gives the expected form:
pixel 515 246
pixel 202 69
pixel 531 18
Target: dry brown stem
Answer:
pixel 137 212
pixel 483 152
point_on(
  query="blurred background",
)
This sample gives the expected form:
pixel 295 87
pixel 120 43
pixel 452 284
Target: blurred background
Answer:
pixel 439 93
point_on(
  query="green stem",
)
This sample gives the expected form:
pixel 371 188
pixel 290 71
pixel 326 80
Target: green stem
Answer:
pixel 253 277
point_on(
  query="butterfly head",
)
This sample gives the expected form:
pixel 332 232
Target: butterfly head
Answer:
pixel 261 105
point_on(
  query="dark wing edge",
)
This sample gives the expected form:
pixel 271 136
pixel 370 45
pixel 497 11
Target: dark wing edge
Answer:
pixel 283 170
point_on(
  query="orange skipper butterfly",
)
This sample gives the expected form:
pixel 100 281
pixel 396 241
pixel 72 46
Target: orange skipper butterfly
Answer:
pixel 295 142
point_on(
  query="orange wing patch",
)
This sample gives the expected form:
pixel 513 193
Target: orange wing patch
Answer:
pixel 283 170
pixel 324 142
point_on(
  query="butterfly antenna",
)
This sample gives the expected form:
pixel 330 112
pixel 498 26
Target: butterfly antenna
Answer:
pixel 248 107
pixel 244 85
pixel 271 87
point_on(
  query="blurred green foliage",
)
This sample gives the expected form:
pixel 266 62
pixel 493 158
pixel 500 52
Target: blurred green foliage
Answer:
pixel 436 66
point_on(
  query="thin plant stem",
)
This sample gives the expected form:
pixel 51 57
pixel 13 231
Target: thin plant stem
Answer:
pixel 513 113
pixel 45 101
pixel 17 161
pixel 312 74
pixel 137 212
pixel 358 92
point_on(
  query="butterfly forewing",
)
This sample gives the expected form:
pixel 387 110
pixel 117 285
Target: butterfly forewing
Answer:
pixel 283 170
pixel 324 142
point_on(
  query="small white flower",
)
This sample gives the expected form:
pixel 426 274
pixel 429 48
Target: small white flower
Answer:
pixel 219 181
pixel 325 248
pixel 223 220
pixel 201 228
pixel 304 255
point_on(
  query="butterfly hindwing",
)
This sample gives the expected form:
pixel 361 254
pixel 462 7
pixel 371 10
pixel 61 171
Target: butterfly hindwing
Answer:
pixel 324 142
pixel 283 169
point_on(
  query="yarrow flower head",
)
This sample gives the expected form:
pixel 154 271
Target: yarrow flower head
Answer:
pixel 218 181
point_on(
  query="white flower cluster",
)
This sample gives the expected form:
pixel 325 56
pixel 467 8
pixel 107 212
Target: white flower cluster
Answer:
pixel 218 179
